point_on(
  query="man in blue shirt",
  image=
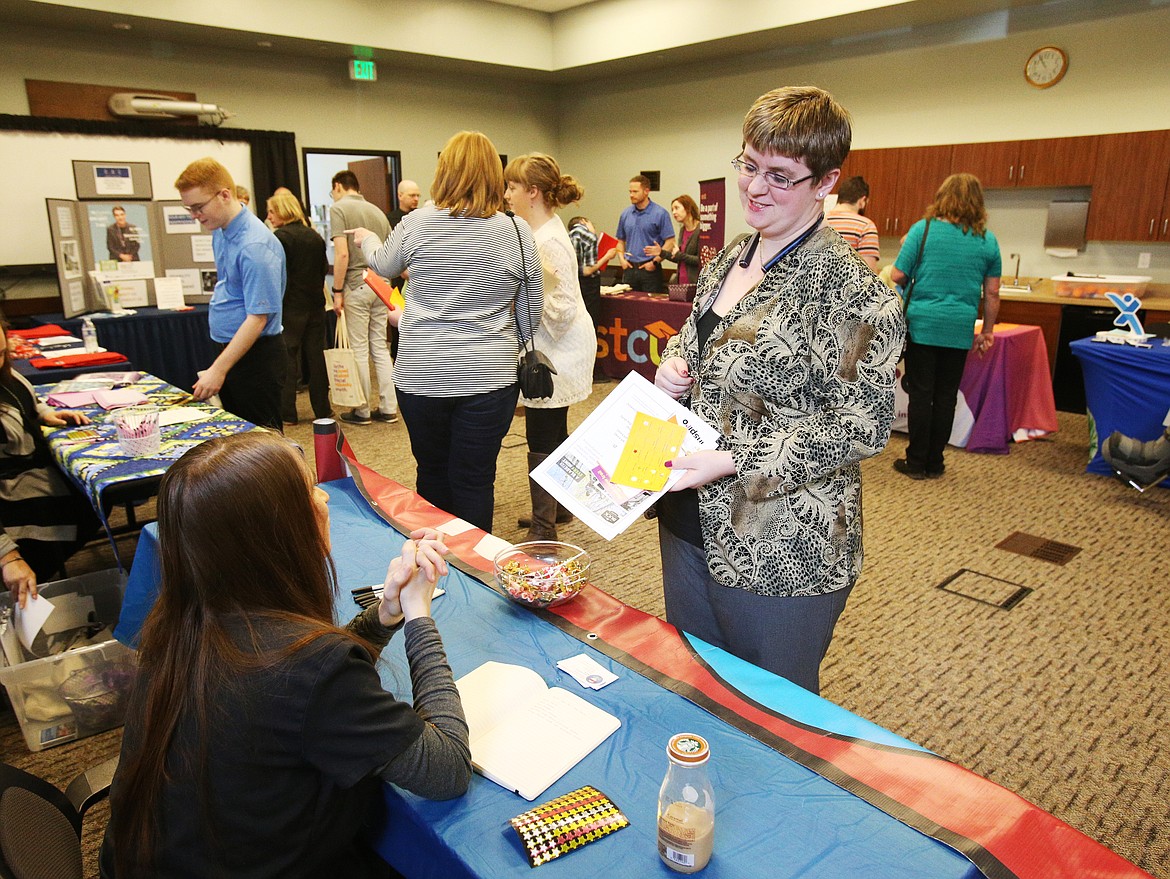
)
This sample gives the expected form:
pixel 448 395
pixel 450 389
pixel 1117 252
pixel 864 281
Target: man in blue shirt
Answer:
pixel 245 311
pixel 643 223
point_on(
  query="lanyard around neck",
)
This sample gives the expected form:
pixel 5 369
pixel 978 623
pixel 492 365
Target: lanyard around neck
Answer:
pixel 754 243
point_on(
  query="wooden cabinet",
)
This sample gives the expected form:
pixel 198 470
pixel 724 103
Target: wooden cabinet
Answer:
pixel 1129 174
pixel 1131 196
pixel 921 171
pixel 993 163
pixel 1052 161
pixel 902 182
pixel 880 170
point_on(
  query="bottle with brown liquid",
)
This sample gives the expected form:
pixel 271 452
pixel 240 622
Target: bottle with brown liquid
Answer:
pixel 686 806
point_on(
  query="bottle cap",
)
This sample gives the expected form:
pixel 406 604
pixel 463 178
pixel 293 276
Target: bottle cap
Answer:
pixel 688 749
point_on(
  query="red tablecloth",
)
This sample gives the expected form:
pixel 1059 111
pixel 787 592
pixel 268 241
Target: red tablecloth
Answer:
pixel 633 332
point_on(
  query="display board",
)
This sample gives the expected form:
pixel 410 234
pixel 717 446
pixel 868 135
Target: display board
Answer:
pixel 39 166
pixel 111 253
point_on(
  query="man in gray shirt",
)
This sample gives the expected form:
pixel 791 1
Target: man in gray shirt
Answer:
pixel 366 316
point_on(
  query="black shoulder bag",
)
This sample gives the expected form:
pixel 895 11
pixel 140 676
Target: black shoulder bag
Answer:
pixel 917 267
pixel 534 371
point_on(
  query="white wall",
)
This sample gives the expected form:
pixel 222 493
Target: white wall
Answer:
pixel 414 114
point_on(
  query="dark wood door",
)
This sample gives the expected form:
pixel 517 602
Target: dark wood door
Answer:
pixel 1057 161
pixel 995 163
pixel 1129 186
pixel 374 179
pixel 921 171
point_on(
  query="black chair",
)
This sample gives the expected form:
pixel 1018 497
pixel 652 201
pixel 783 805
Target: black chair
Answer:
pixel 40 827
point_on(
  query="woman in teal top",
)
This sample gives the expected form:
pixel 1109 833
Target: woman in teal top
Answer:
pixel 959 263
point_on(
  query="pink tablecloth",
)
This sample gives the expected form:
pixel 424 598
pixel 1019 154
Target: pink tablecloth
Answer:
pixel 1009 390
pixel 1005 395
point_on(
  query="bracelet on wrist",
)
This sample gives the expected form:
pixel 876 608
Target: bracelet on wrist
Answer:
pixel 338 292
pixel 15 558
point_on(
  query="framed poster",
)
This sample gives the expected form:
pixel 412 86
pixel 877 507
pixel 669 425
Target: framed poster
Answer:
pixel 120 232
pixel 112 180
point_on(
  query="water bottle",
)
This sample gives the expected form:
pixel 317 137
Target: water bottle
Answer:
pixel 89 335
pixel 686 806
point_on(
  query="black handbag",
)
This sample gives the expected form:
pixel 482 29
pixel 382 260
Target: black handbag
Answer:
pixel 535 371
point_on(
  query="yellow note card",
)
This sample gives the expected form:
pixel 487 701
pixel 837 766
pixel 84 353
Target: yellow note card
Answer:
pixel 652 442
pixel 397 299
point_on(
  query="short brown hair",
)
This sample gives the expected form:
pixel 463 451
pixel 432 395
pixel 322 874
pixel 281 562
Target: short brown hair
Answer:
pixel 960 201
pixel 205 173
pixel 469 178
pixel 642 179
pixel 543 172
pixel 347 179
pixel 802 123
pixel 287 207
pixel 851 191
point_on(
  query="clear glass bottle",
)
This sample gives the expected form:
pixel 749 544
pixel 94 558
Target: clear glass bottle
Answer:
pixel 89 335
pixel 686 806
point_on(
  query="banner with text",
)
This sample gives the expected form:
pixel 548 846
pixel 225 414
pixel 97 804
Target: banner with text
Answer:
pixel 711 218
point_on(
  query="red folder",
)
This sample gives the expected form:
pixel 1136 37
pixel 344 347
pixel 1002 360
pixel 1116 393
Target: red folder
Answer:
pixel 42 332
pixel 101 358
pixel 605 242
pixel 386 293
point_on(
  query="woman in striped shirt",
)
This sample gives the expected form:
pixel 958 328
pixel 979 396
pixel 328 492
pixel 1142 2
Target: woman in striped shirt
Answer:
pixel 474 276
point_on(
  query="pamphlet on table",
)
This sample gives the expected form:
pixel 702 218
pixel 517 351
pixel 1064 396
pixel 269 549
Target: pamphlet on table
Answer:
pixel 525 735
pixel 612 467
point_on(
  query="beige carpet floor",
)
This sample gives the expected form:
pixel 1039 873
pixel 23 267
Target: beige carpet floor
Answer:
pixel 1062 698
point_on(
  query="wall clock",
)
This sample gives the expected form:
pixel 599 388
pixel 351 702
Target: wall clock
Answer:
pixel 1046 67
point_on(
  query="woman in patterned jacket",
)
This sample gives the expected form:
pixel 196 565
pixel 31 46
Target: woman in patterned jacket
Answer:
pixel 790 352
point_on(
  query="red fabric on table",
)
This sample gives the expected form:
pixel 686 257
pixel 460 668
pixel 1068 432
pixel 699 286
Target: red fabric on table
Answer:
pixel 42 332
pixel 100 358
pixel 1009 388
pixel 633 330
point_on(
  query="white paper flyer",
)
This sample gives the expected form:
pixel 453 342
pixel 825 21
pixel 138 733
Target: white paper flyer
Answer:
pixel 578 473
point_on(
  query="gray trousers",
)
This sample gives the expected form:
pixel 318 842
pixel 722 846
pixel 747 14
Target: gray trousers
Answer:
pixel 786 635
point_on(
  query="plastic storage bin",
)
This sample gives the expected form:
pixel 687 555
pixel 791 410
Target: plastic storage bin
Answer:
pixel 83 690
pixel 1096 288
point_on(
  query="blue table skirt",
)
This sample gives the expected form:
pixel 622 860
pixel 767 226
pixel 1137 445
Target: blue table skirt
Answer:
pixel 173 345
pixel 774 817
pixel 1126 389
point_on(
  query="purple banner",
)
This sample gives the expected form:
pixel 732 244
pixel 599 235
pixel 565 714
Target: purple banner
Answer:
pixel 711 218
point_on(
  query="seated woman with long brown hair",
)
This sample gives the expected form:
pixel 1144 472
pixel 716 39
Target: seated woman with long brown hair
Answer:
pixel 258 733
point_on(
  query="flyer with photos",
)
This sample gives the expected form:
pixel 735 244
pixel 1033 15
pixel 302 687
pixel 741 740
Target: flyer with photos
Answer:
pixel 596 472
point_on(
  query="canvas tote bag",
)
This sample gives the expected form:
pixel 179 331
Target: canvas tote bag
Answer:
pixel 344 387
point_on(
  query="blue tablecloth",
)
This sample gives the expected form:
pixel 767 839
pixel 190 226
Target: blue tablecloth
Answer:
pixel 173 345
pixel 774 817
pixel 1126 389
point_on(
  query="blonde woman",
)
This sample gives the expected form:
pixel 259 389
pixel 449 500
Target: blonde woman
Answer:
pixel 535 189
pixel 472 277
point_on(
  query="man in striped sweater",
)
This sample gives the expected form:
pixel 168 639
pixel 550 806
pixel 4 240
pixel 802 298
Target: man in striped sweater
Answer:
pixel 849 219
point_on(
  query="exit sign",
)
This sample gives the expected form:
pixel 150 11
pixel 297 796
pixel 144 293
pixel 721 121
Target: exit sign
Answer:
pixel 366 71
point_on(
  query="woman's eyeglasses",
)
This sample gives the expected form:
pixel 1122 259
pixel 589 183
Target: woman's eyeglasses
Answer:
pixel 773 178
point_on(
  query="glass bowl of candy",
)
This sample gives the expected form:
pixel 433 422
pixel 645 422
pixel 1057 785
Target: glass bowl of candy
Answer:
pixel 542 573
